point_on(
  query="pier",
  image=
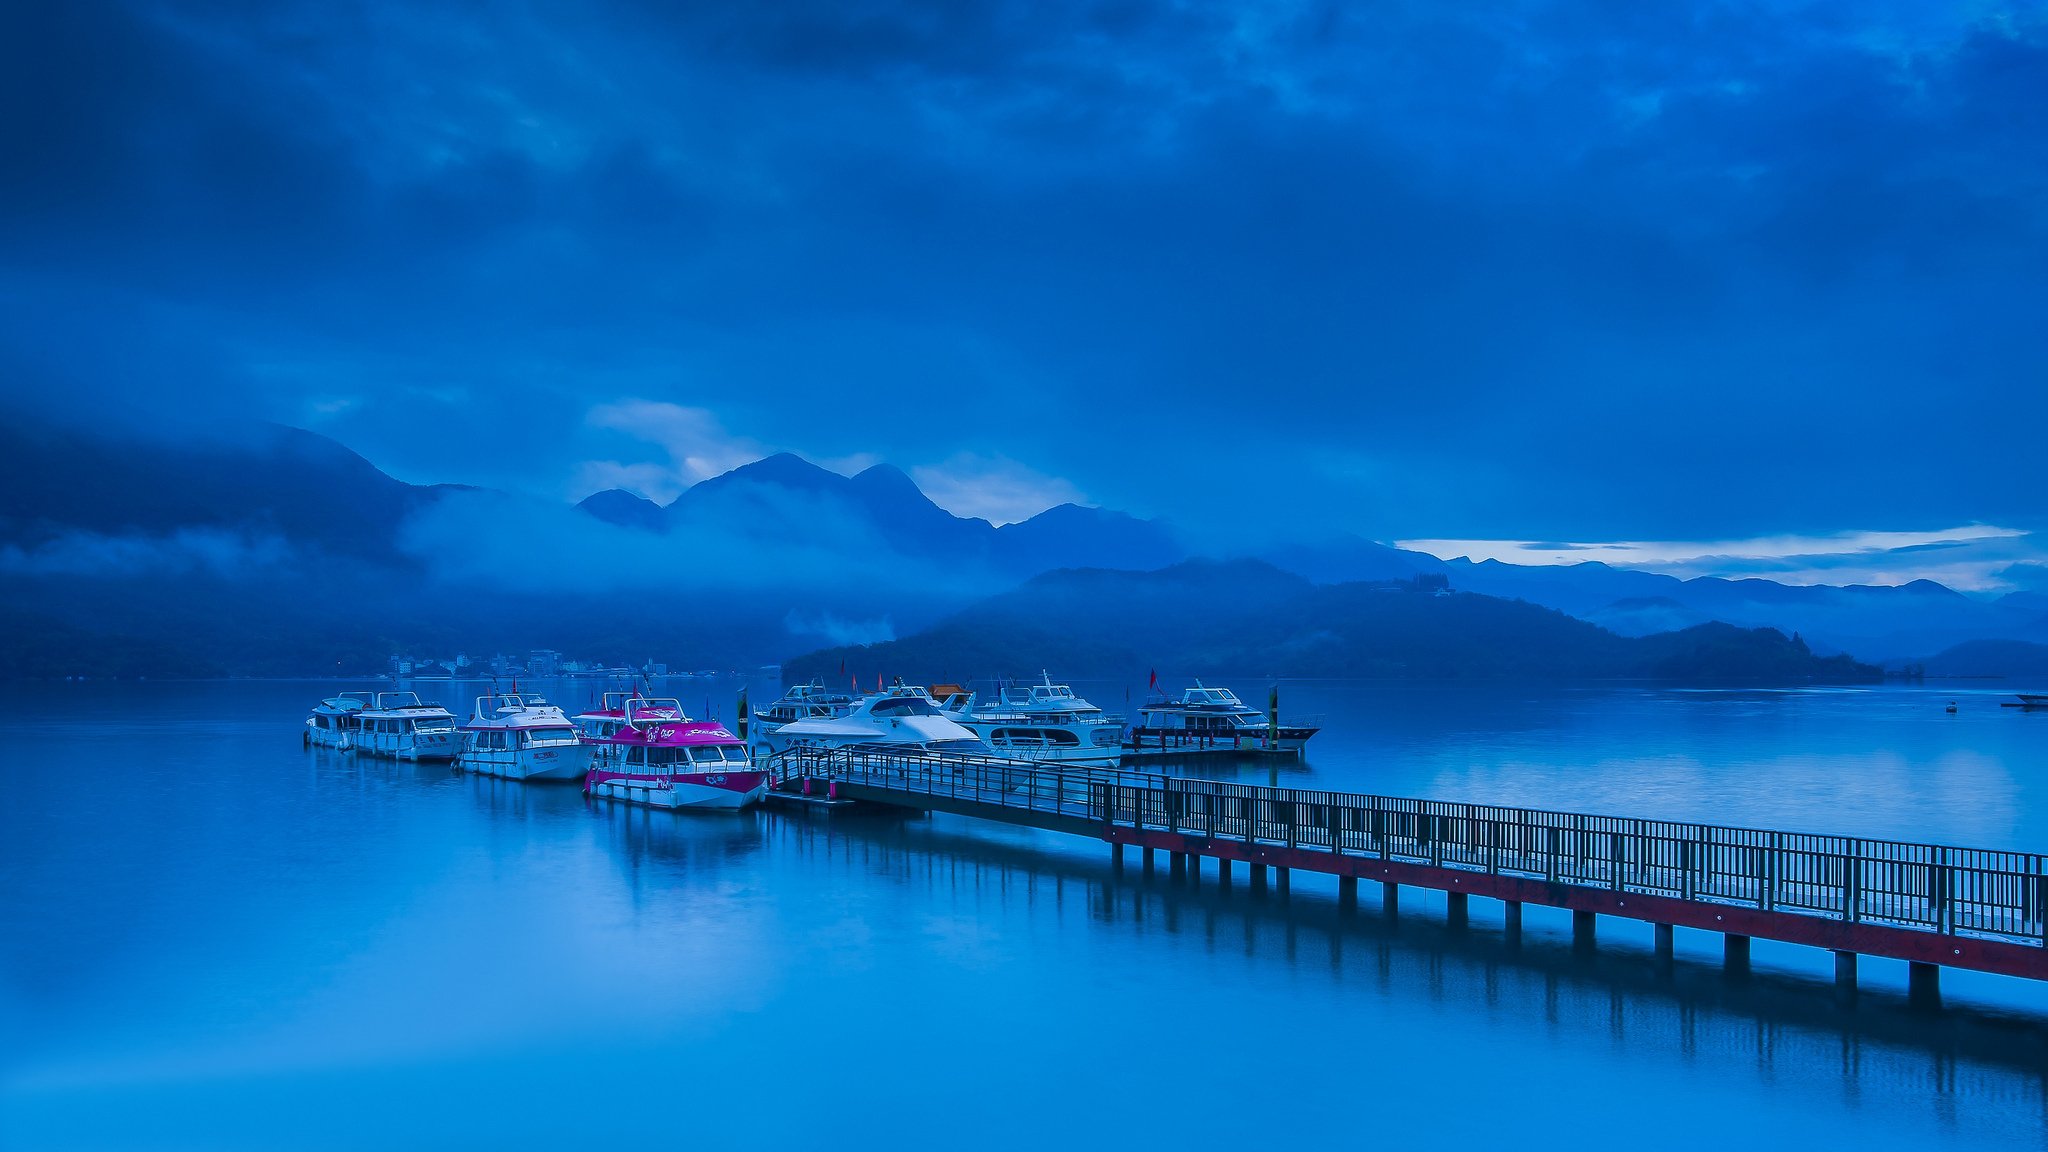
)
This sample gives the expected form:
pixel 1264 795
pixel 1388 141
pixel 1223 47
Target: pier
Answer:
pixel 1932 906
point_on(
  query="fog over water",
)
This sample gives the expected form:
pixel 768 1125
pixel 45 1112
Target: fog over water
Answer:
pixel 238 942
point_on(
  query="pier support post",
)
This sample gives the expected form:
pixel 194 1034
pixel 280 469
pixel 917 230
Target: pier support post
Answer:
pixel 1923 985
pixel 1845 975
pixel 1258 872
pixel 1177 864
pixel 1195 869
pixel 1390 898
pixel 1735 954
pixel 1116 857
pixel 1457 908
pixel 1223 870
pixel 1148 852
pixel 1583 923
pixel 1280 876
pixel 1664 934
pixel 1511 921
pixel 1347 893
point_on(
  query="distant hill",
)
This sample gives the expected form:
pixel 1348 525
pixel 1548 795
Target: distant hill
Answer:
pixel 625 509
pixel 1204 617
pixel 259 480
pixel 2006 659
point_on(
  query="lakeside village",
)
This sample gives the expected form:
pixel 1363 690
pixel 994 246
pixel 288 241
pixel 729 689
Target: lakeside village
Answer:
pixel 540 663
pixel 642 748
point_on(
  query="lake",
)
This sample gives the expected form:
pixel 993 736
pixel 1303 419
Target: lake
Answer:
pixel 216 938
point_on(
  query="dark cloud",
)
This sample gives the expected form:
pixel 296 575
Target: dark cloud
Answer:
pixel 1516 270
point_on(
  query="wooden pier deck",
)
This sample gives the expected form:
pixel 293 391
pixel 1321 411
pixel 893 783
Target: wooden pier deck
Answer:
pixel 1931 905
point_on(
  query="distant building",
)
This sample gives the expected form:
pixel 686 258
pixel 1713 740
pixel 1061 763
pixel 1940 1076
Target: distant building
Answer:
pixel 543 662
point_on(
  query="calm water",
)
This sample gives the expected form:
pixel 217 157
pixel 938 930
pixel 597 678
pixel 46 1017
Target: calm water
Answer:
pixel 211 937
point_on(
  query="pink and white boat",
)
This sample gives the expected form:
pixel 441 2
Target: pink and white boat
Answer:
pixel 660 757
pixel 602 723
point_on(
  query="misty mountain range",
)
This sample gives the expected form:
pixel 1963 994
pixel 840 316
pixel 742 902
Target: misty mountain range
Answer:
pixel 1204 617
pixel 270 550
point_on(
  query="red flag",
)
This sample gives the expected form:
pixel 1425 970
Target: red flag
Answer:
pixel 1155 679
pixel 842 667
pixel 855 681
pixel 878 681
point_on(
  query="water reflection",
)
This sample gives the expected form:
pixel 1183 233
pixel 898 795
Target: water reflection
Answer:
pixel 1983 1074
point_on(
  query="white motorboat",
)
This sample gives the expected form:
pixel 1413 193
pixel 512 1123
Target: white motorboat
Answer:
pixel 332 723
pixel 903 718
pixel 398 725
pixel 1044 722
pixel 801 702
pixel 1210 719
pixel 523 737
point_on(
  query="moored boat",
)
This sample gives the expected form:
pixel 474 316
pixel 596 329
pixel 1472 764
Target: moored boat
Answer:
pixel 332 723
pixel 1212 719
pixel 659 757
pixel 399 725
pixel 1044 722
pixel 811 701
pixel 903 718
pixel 598 725
pixel 523 737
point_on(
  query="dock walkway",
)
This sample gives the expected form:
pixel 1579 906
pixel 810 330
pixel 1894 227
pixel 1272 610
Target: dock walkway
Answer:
pixel 1930 905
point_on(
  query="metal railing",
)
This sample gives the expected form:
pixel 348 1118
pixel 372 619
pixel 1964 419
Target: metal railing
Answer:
pixel 1972 891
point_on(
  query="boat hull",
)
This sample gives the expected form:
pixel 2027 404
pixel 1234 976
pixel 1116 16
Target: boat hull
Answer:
pixel 1287 739
pixel 329 738
pixel 562 762
pixel 728 791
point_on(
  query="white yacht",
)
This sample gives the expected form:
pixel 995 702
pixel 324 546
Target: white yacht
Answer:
pixel 523 738
pixel 903 718
pixel 801 702
pixel 1206 719
pixel 1044 722
pixel 398 725
pixel 332 724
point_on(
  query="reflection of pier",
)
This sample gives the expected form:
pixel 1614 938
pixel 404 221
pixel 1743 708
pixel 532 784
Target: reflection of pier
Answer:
pixel 1985 1073
pixel 1930 905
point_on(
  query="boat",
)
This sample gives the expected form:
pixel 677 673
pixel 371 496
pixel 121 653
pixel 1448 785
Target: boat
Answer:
pixel 399 725
pixel 801 702
pixel 332 723
pixel 661 758
pixel 1213 719
pixel 598 725
pixel 902 718
pixel 2030 701
pixel 523 737
pixel 1045 722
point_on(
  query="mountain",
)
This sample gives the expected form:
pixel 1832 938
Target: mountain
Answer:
pixel 1879 620
pixel 625 509
pixel 784 498
pixel 1205 617
pixel 1081 537
pixel 1992 659
pixel 258 482
pixel 1347 558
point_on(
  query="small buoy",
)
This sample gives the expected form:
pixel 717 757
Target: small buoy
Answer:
pixel 1951 707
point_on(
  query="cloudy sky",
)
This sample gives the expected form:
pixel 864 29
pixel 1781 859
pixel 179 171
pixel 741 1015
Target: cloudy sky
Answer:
pixel 1491 275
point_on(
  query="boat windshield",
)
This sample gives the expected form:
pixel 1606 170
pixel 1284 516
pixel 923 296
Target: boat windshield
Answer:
pixel 551 736
pixel 904 706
